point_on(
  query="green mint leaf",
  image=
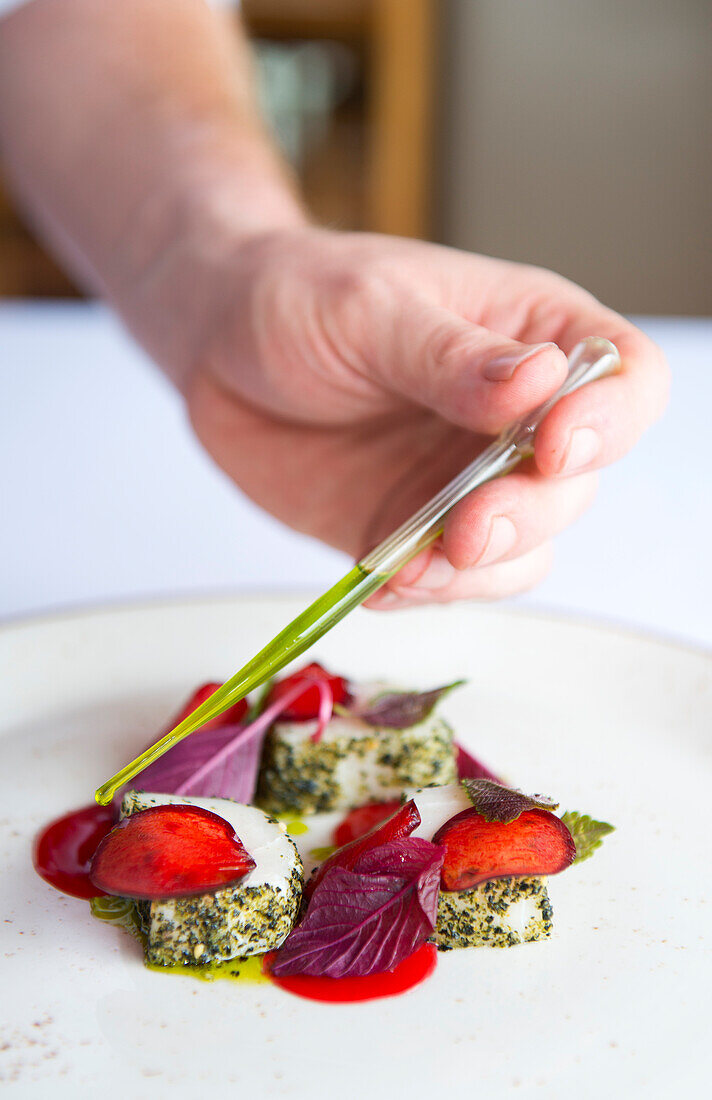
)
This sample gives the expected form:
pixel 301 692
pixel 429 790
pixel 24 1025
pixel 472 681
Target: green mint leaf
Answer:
pixel 587 833
pixel 495 802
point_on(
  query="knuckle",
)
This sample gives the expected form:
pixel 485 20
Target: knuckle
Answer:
pixel 356 288
pixel 354 301
pixel 445 343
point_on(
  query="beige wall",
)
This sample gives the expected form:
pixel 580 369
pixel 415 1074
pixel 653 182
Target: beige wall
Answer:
pixel 577 134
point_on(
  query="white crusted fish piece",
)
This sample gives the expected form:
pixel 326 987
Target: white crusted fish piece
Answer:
pixel 436 805
pixel 353 763
pixel 252 917
pixel 499 913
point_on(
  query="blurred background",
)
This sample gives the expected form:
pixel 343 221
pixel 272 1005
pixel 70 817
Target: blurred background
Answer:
pixel 566 133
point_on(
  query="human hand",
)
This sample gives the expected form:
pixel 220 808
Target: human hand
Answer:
pixel 340 379
pixel 344 378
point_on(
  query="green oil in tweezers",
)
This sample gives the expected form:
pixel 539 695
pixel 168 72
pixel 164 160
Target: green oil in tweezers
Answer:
pixel 297 637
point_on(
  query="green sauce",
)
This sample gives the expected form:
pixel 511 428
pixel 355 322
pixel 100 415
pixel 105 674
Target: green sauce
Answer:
pixel 121 912
pixel 297 637
pixel 323 853
pixel 295 826
pixel 236 970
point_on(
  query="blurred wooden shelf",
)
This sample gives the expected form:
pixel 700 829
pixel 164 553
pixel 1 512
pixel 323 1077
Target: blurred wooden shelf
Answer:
pixel 340 19
pixel 372 171
pixel 397 44
pixel 26 270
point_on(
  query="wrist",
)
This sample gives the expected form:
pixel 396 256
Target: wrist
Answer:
pixel 188 243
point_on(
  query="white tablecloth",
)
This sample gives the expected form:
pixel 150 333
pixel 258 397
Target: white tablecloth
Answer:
pixel 105 496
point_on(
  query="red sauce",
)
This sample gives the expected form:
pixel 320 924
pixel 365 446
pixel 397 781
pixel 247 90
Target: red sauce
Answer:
pixel 63 851
pixel 412 971
pixel 360 821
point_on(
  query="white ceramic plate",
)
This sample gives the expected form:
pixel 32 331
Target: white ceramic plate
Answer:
pixel 617 1003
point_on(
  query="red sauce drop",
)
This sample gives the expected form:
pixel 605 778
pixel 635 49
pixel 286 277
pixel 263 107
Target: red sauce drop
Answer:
pixel 412 971
pixel 63 851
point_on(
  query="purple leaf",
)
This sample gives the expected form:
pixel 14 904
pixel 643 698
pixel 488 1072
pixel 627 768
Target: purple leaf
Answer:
pixel 368 919
pixel 469 767
pixel 401 709
pixel 221 763
pixel 495 802
pixel 175 772
pixel 232 775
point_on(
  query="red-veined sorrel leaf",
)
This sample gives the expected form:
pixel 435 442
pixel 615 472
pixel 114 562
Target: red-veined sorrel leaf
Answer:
pixel 400 824
pixel 368 919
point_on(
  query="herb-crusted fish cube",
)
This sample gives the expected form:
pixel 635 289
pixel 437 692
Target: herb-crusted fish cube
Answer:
pixel 254 916
pixel 354 762
pixel 500 913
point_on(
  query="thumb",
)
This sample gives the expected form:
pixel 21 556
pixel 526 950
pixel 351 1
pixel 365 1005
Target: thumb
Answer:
pixel 468 374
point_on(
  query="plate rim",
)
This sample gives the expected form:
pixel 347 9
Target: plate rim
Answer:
pixel 598 624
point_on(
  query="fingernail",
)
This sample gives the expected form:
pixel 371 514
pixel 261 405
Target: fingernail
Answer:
pixel 438 574
pixel 501 539
pixel 584 445
pixel 503 367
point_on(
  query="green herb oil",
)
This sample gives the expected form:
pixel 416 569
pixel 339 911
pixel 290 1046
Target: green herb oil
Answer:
pixel 294 825
pixel 121 912
pixel 320 854
pixel 236 970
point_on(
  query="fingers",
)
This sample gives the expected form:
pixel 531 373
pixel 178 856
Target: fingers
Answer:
pixel 473 377
pixel 511 516
pixel 491 582
pixel 601 422
pixel 495 542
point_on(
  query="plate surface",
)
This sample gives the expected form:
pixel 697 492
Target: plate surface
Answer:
pixel 617 1003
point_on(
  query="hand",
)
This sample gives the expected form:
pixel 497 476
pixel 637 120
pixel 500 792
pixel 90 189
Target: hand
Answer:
pixel 342 379
pixel 339 379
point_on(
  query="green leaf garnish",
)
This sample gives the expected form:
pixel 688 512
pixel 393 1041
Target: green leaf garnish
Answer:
pixel 495 802
pixel 587 833
pixel 115 910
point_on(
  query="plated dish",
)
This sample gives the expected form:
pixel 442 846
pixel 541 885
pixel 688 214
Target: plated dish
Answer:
pixel 601 718
pixel 431 851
